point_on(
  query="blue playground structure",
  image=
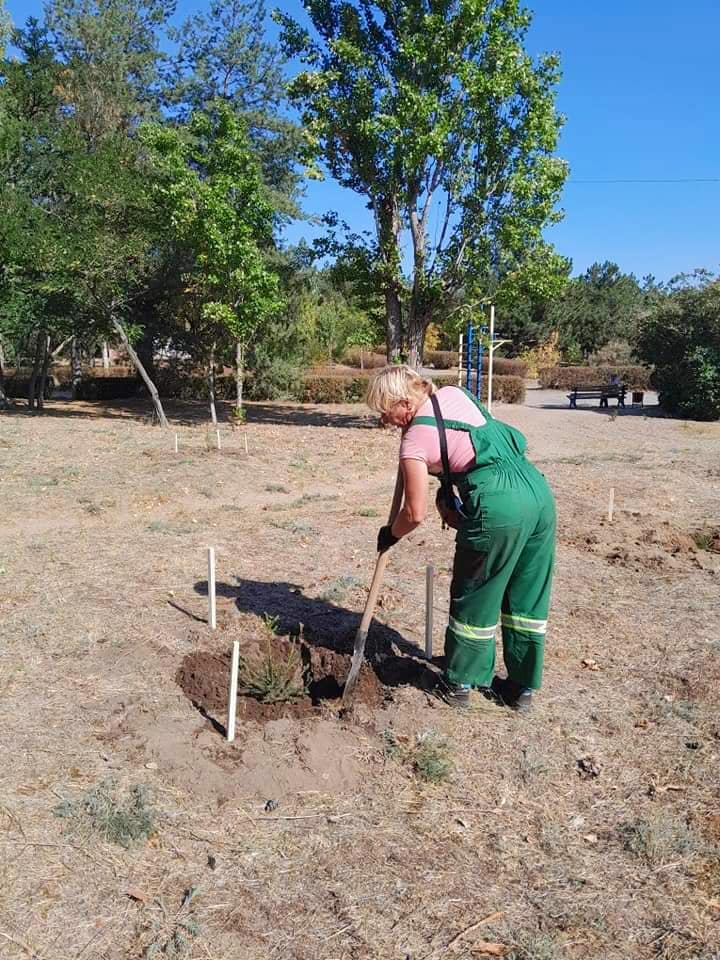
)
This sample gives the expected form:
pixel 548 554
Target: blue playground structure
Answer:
pixel 470 358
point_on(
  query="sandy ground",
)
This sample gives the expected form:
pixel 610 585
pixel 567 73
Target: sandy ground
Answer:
pixel 587 830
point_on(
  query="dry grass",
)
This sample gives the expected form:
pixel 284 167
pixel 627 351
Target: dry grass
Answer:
pixel 101 575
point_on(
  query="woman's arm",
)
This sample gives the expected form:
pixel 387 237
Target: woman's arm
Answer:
pixel 414 508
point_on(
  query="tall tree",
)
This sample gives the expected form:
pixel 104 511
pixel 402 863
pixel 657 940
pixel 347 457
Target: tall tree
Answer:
pixel 602 304
pixel 224 55
pixel 76 235
pixel 111 53
pixel 209 189
pixel 434 111
pixel 5 27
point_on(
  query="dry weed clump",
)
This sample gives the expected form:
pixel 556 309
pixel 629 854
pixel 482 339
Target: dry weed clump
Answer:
pixel 428 757
pixel 117 819
pixel 660 838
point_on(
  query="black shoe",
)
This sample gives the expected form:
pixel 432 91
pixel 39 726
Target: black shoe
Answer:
pixel 454 694
pixel 512 694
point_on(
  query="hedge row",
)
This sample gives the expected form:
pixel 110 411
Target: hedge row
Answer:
pixel 314 387
pixel 370 359
pixel 565 378
pixel 344 389
pixel 448 360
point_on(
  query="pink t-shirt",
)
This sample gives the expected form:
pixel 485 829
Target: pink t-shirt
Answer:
pixel 421 442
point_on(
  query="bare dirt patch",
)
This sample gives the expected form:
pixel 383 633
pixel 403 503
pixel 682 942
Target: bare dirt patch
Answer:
pixel 203 678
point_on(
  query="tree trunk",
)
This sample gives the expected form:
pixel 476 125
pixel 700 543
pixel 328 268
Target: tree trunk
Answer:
pixel 211 385
pixel 152 389
pixel 416 336
pixel 146 348
pixel 387 217
pixel 239 376
pixel 5 402
pixel 76 367
pixel 393 326
pixel 44 372
pixel 37 366
pixel 105 355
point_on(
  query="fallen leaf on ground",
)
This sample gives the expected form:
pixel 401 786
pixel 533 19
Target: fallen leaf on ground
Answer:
pixel 489 949
pixel 135 893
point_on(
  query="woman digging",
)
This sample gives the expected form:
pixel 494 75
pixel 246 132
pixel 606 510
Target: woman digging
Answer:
pixel 505 522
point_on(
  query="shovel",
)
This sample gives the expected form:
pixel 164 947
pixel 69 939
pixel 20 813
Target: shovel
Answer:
pixel 362 632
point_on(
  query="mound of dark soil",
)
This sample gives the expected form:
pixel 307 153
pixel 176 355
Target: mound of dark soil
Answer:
pixel 204 679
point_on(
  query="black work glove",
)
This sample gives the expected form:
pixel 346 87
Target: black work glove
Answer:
pixel 386 539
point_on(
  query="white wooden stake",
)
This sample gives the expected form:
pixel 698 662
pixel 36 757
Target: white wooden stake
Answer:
pixel 246 444
pixel 176 443
pixel 232 695
pixel 212 610
pixel 429 581
pixel 611 505
pixel 217 434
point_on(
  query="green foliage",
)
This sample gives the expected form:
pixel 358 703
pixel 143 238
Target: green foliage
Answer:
pixel 117 819
pixel 603 304
pixel 555 377
pixel 273 677
pixel 327 389
pixel 207 185
pixel 110 51
pixel 273 378
pixel 414 106
pixel 223 54
pixel 5 27
pixel 681 337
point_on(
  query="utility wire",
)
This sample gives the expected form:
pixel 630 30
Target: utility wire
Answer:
pixel 675 180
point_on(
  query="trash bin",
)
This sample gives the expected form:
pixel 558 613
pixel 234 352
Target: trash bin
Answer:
pixel 638 397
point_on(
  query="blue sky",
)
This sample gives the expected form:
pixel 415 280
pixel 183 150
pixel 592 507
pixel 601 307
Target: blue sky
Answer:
pixel 641 93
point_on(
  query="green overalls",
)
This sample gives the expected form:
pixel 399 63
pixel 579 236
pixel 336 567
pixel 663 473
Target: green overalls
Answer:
pixel 503 560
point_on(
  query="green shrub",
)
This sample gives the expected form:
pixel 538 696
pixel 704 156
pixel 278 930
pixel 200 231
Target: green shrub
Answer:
pixel 109 388
pixel 18 386
pixel 371 359
pixel 441 359
pixel 273 677
pixel 332 389
pixel 681 337
pixel 503 366
pixel 565 378
pixel 273 379
pixel 505 389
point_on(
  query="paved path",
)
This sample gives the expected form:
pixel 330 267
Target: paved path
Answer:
pixel 557 399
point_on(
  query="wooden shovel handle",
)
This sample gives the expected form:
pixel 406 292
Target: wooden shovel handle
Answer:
pixel 382 558
pixel 380 564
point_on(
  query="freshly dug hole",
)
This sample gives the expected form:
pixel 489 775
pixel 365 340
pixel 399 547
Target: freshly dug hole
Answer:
pixel 204 679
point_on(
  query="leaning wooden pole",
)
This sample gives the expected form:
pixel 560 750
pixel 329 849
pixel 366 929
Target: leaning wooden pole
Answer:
pixel 152 389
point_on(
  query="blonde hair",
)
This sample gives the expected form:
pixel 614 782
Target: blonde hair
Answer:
pixel 395 383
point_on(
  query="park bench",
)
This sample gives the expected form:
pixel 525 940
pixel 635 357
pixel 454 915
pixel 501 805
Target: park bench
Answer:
pixel 602 392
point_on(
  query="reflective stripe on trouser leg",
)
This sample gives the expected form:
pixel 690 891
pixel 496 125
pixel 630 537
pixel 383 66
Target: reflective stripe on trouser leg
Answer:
pixel 470 653
pixel 524 649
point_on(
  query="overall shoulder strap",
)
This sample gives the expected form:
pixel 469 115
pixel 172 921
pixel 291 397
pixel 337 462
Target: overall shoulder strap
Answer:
pixel 443 441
